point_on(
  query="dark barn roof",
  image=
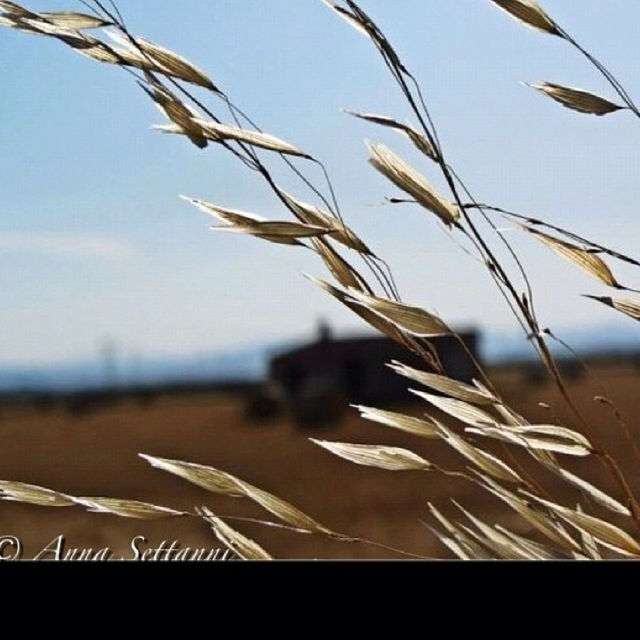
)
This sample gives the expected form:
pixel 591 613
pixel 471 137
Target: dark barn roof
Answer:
pixel 355 370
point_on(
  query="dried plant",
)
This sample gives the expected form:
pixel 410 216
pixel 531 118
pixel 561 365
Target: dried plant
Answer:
pixel 480 414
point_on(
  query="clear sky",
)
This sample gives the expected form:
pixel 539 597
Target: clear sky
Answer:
pixel 95 243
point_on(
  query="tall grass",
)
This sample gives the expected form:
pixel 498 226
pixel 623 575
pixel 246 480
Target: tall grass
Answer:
pixel 595 524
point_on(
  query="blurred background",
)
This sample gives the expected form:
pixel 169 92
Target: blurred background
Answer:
pixel 127 326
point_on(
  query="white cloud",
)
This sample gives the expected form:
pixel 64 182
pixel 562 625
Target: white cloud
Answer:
pixel 92 247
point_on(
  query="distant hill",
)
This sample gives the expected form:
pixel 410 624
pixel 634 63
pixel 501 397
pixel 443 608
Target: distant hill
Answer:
pixel 587 341
pixel 246 364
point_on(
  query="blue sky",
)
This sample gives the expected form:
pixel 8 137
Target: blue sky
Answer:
pixel 95 243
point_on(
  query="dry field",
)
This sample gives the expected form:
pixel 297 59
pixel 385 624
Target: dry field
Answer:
pixel 96 455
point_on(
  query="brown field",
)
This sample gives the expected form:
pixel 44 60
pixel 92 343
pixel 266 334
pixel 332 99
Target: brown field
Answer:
pixel 96 454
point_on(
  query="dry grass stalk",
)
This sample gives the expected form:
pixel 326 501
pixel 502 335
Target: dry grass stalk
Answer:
pixel 414 320
pixel 236 542
pixel 416 426
pixel 581 257
pixel 221 482
pixel 419 140
pixel 74 20
pixel 278 231
pixel 32 494
pixel 41 496
pixel 532 550
pixel 339 268
pixel 410 181
pixel 529 12
pixel 607 534
pixel 489 463
pixel 448 386
pixel 216 131
pixel 595 494
pixel 543 437
pixel 465 547
pixel 310 214
pixel 173 64
pixel 577 99
pixel 630 308
pixel 372 319
pixel 467 413
pixel 373 455
pixel 542 522
pixel 149 56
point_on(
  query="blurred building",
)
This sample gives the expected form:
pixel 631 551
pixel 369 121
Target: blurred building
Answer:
pixel 322 377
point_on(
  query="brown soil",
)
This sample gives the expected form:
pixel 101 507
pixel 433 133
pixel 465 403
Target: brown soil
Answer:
pixel 96 454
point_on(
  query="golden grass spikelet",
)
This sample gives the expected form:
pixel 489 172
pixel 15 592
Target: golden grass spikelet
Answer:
pixel 531 13
pixel 452 544
pixel 98 51
pixel 130 56
pixel 74 20
pixel 607 534
pixel 581 257
pixel 589 543
pixel 543 437
pixel 230 216
pixel 363 22
pixel 373 319
pixel 420 141
pixel 174 64
pixel 313 215
pixel 630 308
pixel 501 545
pixel 347 16
pixel 458 409
pixel 535 550
pixel 410 181
pixel 236 542
pixel 58 25
pixel 483 543
pixel 281 509
pixel 37 25
pixel 409 424
pixel 217 131
pixel 33 494
pixel 307 212
pixel 339 268
pixel 413 320
pixel 49 22
pixel 181 115
pixel 449 386
pixel 542 522
pixel 40 28
pixel 202 476
pixel 466 544
pixel 149 56
pixel 597 495
pixel 15 10
pixel 508 415
pixel 577 99
pixel 218 481
pixel 127 508
pixel 281 232
pixel 483 460
pixel 373 455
